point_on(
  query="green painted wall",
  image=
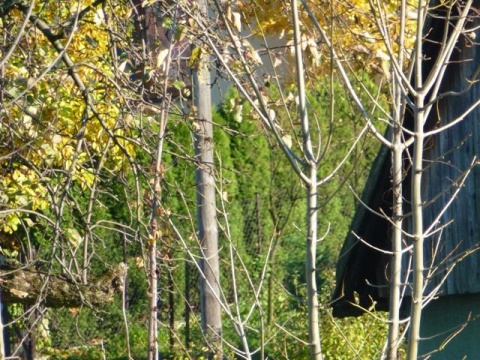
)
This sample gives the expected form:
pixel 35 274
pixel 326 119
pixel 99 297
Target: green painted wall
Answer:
pixel 442 319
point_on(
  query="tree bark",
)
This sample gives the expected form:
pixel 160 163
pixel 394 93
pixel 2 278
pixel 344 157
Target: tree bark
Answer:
pixel 206 206
pixel 396 259
pixel 416 198
pixel 311 185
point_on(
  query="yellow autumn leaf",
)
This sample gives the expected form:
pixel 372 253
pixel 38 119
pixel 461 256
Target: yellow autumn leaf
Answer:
pixel 195 58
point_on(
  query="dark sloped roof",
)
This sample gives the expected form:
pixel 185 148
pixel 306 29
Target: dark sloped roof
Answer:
pixel 360 268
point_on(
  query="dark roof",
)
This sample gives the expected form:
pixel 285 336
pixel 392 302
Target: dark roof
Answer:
pixel 360 266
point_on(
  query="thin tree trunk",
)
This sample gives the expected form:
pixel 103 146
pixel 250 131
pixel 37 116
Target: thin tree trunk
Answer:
pixel 310 269
pixel 171 306
pixel 418 237
pixel 152 297
pixel 125 302
pixel 416 197
pixel 187 305
pixel 311 246
pixel 398 147
pixel 206 206
pixel 145 26
pixel 396 259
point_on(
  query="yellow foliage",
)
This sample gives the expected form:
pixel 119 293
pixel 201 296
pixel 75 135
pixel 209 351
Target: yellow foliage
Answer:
pixel 351 25
pixel 46 118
